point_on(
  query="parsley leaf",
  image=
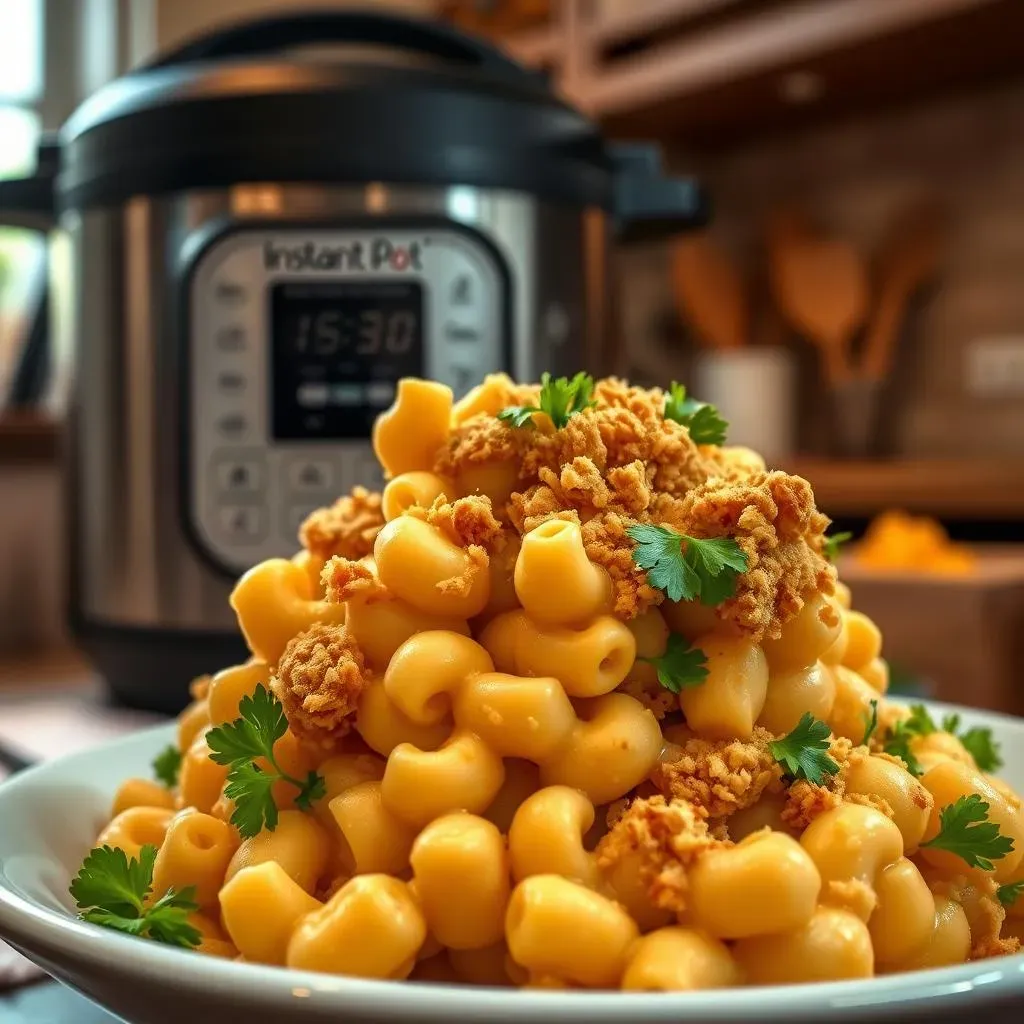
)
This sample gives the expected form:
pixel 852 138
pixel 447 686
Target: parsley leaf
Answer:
pixel 560 399
pixel 978 742
pixel 239 744
pixel 897 743
pixel 870 723
pixel 834 543
pixel 705 568
pixel 681 665
pixel 964 830
pixel 804 751
pixel 704 421
pixel 983 748
pixel 112 891
pixel 1009 893
pixel 166 766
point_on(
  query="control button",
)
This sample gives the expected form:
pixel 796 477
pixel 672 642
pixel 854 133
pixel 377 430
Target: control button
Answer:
pixel 310 475
pixel 462 290
pixel 230 339
pixel 239 476
pixel 243 524
pixel 232 424
pixel 348 396
pixel 313 395
pixel 461 333
pixel 230 382
pixel 380 393
pixel 229 292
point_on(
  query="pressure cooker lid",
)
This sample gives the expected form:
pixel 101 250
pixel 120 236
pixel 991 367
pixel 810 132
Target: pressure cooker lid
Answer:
pixel 427 105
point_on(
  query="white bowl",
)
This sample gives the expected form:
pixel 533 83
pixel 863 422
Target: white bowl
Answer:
pixel 49 815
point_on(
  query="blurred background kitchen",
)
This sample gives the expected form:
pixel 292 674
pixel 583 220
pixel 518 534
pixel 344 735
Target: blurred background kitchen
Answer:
pixel 856 307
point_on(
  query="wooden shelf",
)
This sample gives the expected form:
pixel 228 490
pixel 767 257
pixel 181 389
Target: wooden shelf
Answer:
pixel 714 73
pixel 950 488
pixel 27 437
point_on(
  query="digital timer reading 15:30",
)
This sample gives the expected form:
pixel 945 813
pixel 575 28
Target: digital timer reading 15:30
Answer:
pixel 370 332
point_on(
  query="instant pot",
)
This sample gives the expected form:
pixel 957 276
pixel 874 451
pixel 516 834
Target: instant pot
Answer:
pixel 262 245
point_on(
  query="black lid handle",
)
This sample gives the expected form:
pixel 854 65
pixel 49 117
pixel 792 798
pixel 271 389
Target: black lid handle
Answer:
pixel 647 205
pixel 279 32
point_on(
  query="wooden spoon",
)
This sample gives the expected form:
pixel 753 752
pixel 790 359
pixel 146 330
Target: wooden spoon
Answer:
pixel 709 292
pixel 907 259
pixel 822 288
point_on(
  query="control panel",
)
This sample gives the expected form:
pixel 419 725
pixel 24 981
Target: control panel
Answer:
pixel 297 339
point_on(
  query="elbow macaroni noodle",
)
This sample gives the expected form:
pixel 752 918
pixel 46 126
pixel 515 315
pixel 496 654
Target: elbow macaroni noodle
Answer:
pixel 497 736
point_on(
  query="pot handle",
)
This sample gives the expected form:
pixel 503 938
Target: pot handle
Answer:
pixel 279 32
pixel 647 205
pixel 29 202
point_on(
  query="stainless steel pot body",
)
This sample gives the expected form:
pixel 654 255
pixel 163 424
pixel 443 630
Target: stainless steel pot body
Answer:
pixel 150 574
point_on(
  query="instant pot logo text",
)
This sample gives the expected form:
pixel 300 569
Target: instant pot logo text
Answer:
pixel 379 254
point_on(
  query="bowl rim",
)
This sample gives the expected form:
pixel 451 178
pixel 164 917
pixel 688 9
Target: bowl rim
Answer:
pixel 38 931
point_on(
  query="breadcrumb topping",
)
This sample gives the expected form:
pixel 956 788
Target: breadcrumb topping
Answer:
pixel 805 800
pixel 347 528
pixel 466 521
pixel 663 838
pixel 720 776
pixel 318 682
pixel 343 579
pixel 622 463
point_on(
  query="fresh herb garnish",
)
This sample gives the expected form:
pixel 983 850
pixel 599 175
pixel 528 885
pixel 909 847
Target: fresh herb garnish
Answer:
pixel 681 666
pixel 897 743
pixel 703 568
pixel 166 766
pixel 804 751
pixel 978 742
pixel 704 421
pixel 561 399
pixel 870 723
pixel 113 891
pixel 1009 893
pixel 964 830
pixel 834 543
pixel 239 744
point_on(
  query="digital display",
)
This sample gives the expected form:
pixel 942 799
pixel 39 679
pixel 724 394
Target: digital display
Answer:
pixel 337 350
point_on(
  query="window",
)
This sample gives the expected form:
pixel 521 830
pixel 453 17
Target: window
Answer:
pixel 22 253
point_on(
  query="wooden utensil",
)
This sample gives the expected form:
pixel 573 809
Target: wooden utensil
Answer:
pixel 709 293
pixel 908 258
pixel 821 287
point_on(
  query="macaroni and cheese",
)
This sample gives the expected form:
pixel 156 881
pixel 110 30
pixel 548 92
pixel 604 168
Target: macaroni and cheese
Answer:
pixel 577 702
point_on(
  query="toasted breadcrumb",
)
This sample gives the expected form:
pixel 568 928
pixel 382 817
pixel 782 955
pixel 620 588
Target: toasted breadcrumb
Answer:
pixel 465 521
pixel 347 528
pixel 318 682
pixel 985 914
pixel 462 584
pixel 720 776
pixel 805 800
pixel 621 463
pixel 343 579
pixel 607 543
pixel 774 520
pixel 649 692
pixel 663 838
